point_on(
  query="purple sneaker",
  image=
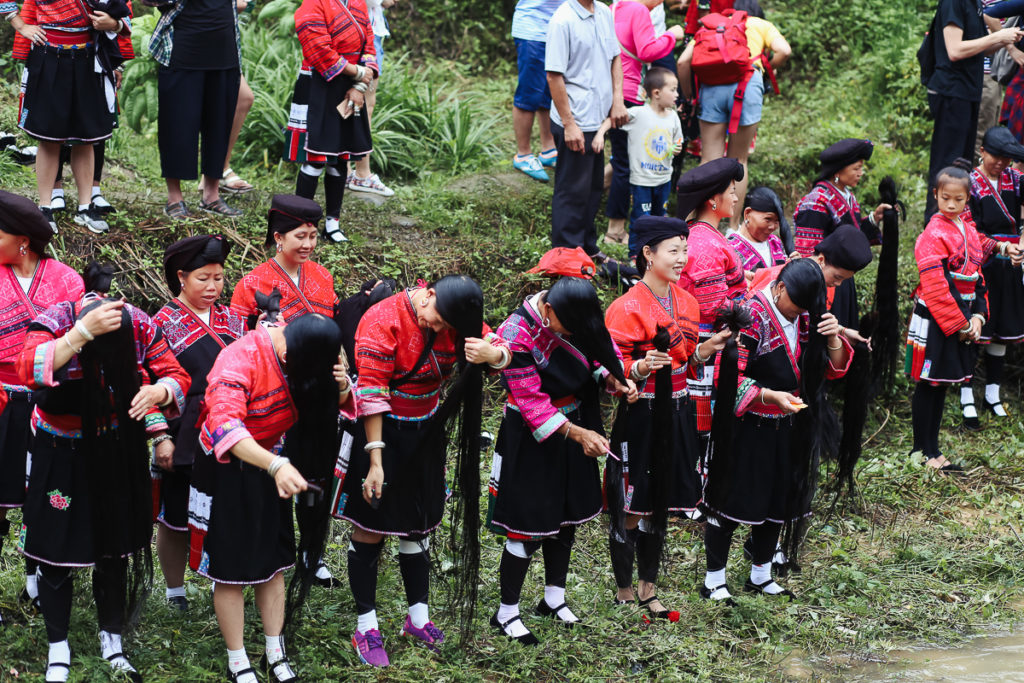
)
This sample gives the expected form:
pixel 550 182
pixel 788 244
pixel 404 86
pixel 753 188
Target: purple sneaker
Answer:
pixel 429 635
pixel 370 648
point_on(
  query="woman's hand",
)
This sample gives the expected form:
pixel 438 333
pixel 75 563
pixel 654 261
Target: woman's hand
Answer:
pixel 480 351
pixel 628 390
pixel 240 5
pixel 855 337
pixel 341 374
pixel 786 401
pixel 149 396
pixel 101 21
pixel 104 318
pixel 795 255
pixel 33 34
pixel 593 443
pixel 829 326
pixel 356 98
pixel 715 344
pixel 163 455
pixel 880 211
pixel 289 481
pixel 654 360
pixel 973 332
pixel 677 31
pixel 374 483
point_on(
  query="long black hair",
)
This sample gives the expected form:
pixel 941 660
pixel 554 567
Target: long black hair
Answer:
pixel 118 474
pixel 313 343
pixel 459 301
pixel 805 285
pixel 579 310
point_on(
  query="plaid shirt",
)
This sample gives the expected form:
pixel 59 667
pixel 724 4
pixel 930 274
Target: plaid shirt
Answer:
pixel 161 44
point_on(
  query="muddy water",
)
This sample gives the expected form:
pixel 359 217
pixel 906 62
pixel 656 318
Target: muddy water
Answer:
pixel 991 659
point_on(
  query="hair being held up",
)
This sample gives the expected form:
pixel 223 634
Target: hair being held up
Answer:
pixel 579 309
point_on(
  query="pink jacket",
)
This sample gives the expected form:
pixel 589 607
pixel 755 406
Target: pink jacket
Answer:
pixel 635 31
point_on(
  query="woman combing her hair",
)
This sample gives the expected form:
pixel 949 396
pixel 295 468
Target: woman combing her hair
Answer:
pixel 761 465
pixel 107 381
pixel 262 385
pixel 950 308
pixel 407 347
pixel 544 478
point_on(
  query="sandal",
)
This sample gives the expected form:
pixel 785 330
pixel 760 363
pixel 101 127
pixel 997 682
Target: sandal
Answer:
pixel 177 211
pixel 670 614
pixel 706 593
pixel 233 184
pixel 544 610
pixel 219 207
pixel 234 676
pixel 123 667
pixel 285 676
pixel 526 639
pixel 752 587
pixel 57 665
pixel 333 232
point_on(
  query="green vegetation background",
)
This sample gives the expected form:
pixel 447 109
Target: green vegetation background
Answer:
pixel 913 559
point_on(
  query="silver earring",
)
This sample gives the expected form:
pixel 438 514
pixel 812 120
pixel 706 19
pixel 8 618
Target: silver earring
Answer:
pixel 776 299
pixel 649 264
pixel 423 304
pixel 181 283
pixel 836 180
pixel 546 322
pixel 22 250
pixel 714 206
pixel 279 249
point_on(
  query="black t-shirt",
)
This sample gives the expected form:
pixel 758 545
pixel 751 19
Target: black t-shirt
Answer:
pixel 962 79
pixel 204 36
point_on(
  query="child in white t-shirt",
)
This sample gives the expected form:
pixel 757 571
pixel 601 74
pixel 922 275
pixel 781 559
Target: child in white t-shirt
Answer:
pixel 655 136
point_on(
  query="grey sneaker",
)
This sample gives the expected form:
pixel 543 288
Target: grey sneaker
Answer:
pixel 93 220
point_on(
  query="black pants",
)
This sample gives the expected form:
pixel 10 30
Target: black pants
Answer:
pixel 109 582
pixel 717 539
pixel 926 415
pixel 579 180
pixel 619 192
pixel 953 135
pixel 195 104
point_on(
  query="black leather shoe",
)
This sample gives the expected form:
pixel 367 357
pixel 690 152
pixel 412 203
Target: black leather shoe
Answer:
pixel 752 587
pixel 526 639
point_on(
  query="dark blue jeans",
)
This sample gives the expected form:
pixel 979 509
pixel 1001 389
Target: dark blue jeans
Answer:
pixel 651 201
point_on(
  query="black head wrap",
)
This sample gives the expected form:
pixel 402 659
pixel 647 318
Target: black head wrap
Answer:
pixel 699 184
pixel 847 247
pixel 288 212
pixel 653 229
pixel 20 216
pixel 191 254
pixel 843 153
pixel 1000 142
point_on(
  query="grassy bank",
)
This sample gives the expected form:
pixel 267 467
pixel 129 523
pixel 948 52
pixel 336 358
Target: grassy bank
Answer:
pixel 915 558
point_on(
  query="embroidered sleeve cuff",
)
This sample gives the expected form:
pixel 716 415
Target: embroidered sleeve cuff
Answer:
pixel 747 394
pixel 336 69
pixel 372 400
pixel 348 408
pixel 550 426
pixel 156 422
pixel 177 404
pixel 226 436
pixel 42 365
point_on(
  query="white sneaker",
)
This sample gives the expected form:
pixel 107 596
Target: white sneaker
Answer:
pixel 370 184
pixel 91 219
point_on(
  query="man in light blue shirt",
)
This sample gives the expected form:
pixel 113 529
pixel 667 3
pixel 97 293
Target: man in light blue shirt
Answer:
pixel 532 99
pixel 585 79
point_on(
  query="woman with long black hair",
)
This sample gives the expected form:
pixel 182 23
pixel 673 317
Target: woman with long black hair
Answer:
pixel 544 479
pixel 407 346
pixel 103 371
pixel 30 282
pixel 262 385
pixel 763 455
pixel 196 328
pixel 655 451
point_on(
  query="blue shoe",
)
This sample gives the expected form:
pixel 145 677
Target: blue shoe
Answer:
pixel 531 166
pixel 549 157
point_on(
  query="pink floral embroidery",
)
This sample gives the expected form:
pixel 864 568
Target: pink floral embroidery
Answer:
pixel 58 500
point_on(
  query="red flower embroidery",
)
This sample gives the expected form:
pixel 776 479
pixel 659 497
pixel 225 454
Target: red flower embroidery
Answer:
pixel 58 501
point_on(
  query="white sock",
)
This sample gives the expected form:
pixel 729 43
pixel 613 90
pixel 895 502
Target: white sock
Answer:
pixel 60 653
pixel 367 622
pixel 555 596
pixel 419 614
pixel 322 572
pixel 516 628
pixel 96 190
pixel 239 661
pixel 57 192
pixel 760 573
pixel 967 402
pixel 275 648
pixel 331 224
pixel 178 592
pixel 32 585
pixel 992 398
pixel 714 579
pixel 110 646
pixel 83 207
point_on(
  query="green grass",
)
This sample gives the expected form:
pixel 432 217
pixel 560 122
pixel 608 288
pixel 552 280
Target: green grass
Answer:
pixel 918 558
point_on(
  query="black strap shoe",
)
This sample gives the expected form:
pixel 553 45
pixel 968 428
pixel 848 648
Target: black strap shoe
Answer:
pixel 526 639
pixel 752 587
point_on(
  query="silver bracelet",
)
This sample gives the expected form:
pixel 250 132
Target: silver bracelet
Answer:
pixel 84 331
pixel 635 373
pixel 373 445
pixel 160 439
pixel 506 358
pixel 276 464
pixel 360 86
pixel 73 349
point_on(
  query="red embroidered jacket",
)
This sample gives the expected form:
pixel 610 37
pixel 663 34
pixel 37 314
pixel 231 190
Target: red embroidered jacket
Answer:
pixel 334 33
pixel 947 260
pixel 52 282
pixel 633 320
pixel 821 211
pixel 64 15
pixel 314 293
pixel 713 272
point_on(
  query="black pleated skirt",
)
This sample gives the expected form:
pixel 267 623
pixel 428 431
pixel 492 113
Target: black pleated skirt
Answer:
pixel 15 432
pixel 537 488
pixel 64 98
pixel 171 495
pixel 1005 324
pixel 632 472
pixel 59 528
pixel 761 482
pixel 415 491
pixel 933 357
pixel 327 133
